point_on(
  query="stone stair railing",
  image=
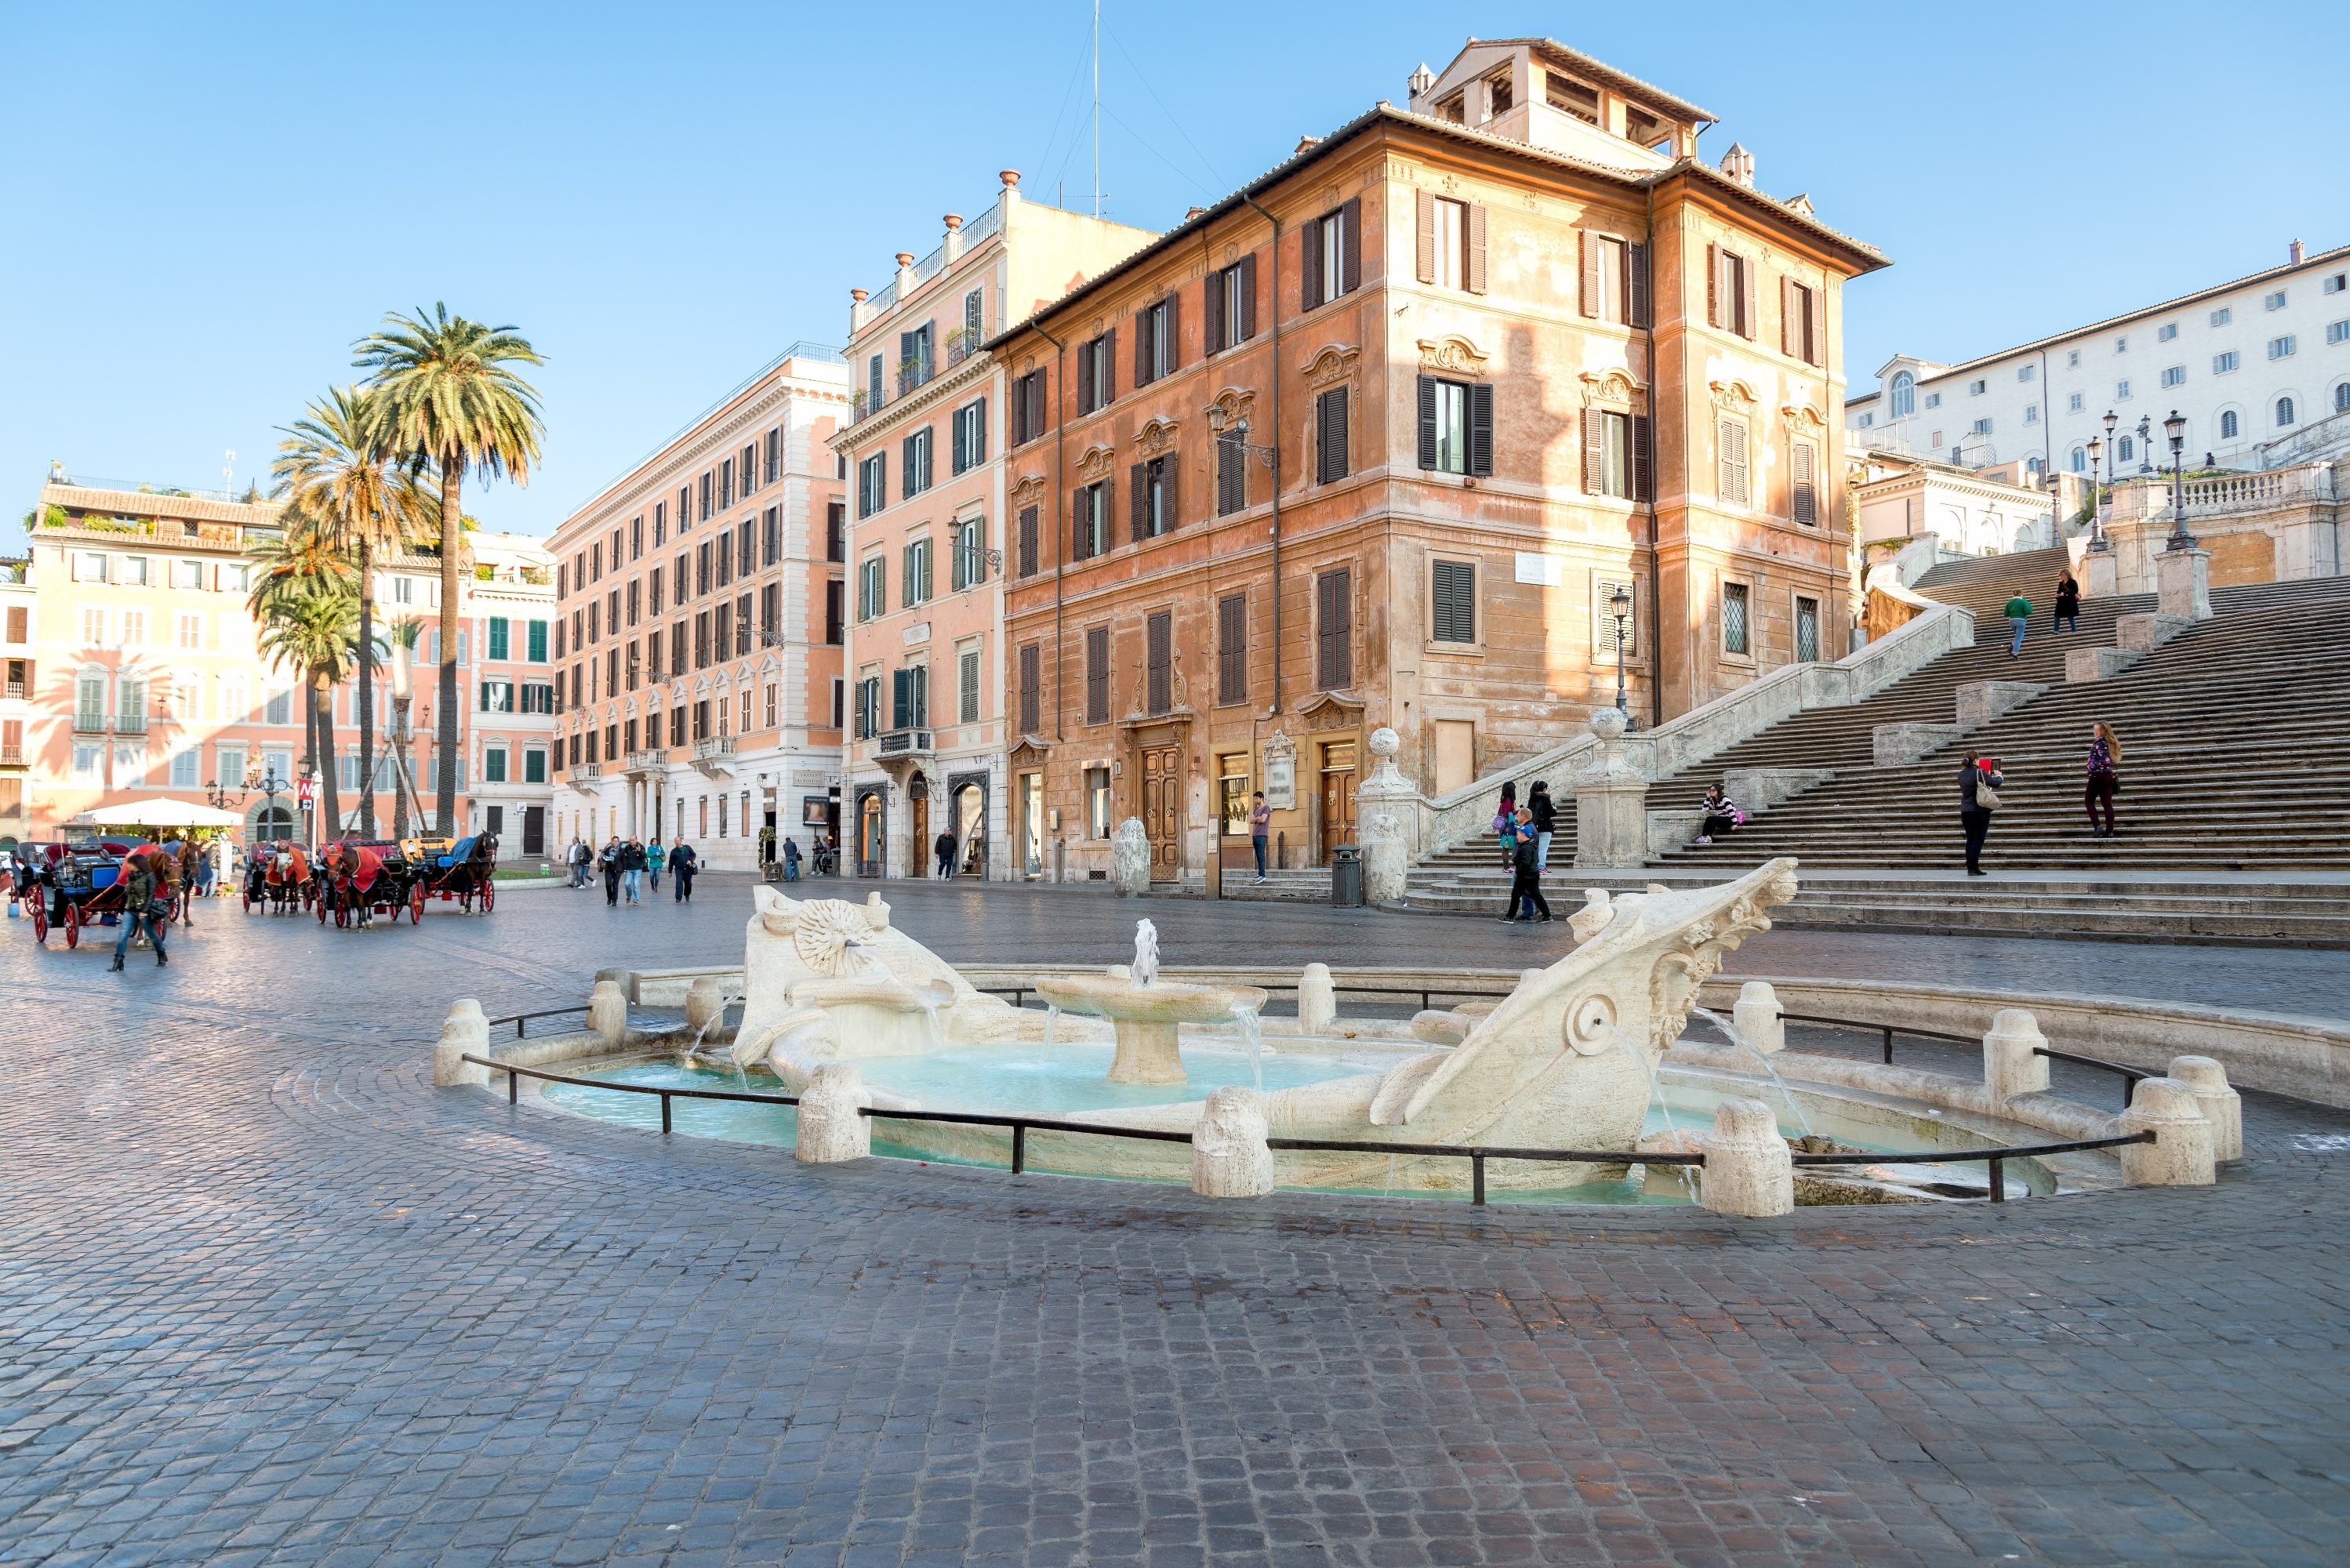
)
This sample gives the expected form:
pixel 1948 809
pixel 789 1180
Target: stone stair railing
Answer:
pixel 1434 825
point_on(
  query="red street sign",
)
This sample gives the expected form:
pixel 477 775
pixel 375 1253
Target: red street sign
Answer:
pixel 302 793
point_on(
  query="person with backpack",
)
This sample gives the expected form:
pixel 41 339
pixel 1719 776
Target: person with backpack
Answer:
pixel 1505 825
pixel 2105 757
pixel 2019 616
pixel 1544 816
pixel 790 859
pixel 1980 781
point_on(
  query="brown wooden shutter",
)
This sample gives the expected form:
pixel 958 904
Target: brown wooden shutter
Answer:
pixel 1713 285
pixel 1085 379
pixel 1097 675
pixel 1806 499
pixel 1424 207
pixel 1334 645
pixel 1309 264
pixel 1031 689
pixel 1174 335
pixel 1481 428
pixel 1108 369
pixel 1143 374
pixel 1232 649
pixel 1350 246
pixel 1476 247
pixel 1750 275
pixel 1427 421
pixel 1028 541
pixel 1158 638
pixel 1212 316
pixel 1139 506
pixel 1644 477
pixel 1330 430
pixel 1635 283
pixel 1593 433
pixel 1589 243
pixel 1248 298
pixel 1815 326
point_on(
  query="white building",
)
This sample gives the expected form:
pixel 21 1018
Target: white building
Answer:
pixel 2248 363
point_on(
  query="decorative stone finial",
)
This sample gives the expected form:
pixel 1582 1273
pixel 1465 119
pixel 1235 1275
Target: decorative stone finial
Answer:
pixel 1385 743
pixel 1010 178
pixel 954 221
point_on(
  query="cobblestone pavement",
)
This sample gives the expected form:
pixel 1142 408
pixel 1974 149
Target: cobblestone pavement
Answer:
pixel 266 1296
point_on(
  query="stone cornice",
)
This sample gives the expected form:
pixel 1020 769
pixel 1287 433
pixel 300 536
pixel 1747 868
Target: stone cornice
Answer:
pixel 922 399
pixel 721 433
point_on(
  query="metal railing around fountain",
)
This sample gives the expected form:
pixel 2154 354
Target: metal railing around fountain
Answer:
pixel 520 1020
pixel 1475 1154
pixel 2131 1076
pixel 1018 993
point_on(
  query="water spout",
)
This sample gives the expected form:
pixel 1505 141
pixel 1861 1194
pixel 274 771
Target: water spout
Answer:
pixel 1740 1040
pixel 1251 1035
pixel 1146 954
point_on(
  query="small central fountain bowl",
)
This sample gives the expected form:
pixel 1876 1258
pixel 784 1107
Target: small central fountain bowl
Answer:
pixel 1145 1017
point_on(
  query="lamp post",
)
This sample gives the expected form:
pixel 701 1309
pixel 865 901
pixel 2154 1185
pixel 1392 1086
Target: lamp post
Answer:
pixel 1236 431
pixel 2146 444
pixel 2096 497
pixel 2176 428
pixel 271 786
pixel 1620 607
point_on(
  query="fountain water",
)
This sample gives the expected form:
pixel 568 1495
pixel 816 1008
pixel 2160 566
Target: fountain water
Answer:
pixel 1252 1030
pixel 1738 1039
pixel 1656 1097
pixel 1145 1013
pixel 1146 954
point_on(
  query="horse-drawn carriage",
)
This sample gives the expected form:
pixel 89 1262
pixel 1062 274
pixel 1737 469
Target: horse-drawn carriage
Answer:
pixel 462 869
pixel 278 878
pixel 360 878
pixel 85 882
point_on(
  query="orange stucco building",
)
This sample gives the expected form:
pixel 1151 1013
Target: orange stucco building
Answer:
pixel 1374 440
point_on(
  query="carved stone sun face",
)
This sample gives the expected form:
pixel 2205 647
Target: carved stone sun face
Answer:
pixel 823 934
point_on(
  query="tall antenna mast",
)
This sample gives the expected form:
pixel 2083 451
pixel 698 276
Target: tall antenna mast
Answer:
pixel 1097 108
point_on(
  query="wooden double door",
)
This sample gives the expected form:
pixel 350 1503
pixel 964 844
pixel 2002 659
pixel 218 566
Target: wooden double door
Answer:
pixel 1162 809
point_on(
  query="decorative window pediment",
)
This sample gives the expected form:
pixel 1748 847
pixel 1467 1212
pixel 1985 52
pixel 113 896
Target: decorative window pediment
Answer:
pixel 1237 403
pixel 1096 462
pixel 1613 388
pixel 1452 354
pixel 1335 362
pixel 1734 395
pixel 1156 435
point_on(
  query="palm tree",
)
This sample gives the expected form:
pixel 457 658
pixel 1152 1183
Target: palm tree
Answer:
pixel 329 465
pixel 451 405
pixel 314 628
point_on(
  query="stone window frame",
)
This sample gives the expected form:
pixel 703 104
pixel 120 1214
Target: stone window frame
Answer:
pixel 1723 579
pixel 1481 577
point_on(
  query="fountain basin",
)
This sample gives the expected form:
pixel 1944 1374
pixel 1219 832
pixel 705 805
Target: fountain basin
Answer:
pixel 885 1016
pixel 1145 1018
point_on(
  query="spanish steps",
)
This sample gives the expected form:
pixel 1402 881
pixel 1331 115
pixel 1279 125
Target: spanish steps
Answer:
pixel 2235 782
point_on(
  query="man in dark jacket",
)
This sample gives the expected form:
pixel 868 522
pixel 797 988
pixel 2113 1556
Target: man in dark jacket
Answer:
pixel 1974 816
pixel 682 864
pixel 944 849
pixel 609 862
pixel 1525 884
pixel 1545 822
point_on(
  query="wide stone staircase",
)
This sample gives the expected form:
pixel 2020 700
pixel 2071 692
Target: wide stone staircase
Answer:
pixel 2234 805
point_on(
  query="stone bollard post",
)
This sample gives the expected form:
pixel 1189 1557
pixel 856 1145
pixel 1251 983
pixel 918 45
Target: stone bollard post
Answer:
pixel 1317 1000
pixel 464 1032
pixel 1129 858
pixel 2183 584
pixel 1229 1156
pixel 2181 1156
pixel 1387 864
pixel 2222 1106
pixel 830 1129
pixel 2009 1068
pixel 607 1012
pixel 1757 1017
pixel 1748 1169
pixel 705 1001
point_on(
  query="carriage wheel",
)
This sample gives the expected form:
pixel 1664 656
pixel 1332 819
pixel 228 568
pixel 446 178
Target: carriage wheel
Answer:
pixel 489 897
pixel 322 911
pixel 73 924
pixel 247 895
pixel 416 905
pixel 38 899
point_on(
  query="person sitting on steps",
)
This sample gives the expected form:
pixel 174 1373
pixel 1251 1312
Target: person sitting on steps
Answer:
pixel 1722 815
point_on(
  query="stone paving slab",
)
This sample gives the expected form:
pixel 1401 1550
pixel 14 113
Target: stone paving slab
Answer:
pixel 267 1296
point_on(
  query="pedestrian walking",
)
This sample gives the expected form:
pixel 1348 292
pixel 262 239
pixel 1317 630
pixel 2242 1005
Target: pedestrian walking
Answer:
pixel 790 859
pixel 1260 823
pixel 191 861
pixel 2104 779
pixel 632 869
pixel 576 857
pixel 655 855
pixel 1545 820
pixel 2019 616
pixel 143 908
pixel 682 864
pixel 1722 815
pixel 944 848
pixel 1980 782
pixel 2068 602
pixel 1505 825
pixel 1525 884
pixel 607 861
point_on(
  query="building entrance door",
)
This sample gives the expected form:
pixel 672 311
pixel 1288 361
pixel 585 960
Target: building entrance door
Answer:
pixel 1337 796
pixel 971 831
pixel 917 840
pixel 1162 804
pixel 869 835
pixel 533 830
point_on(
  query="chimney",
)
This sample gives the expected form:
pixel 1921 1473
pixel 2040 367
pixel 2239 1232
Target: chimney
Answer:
pixel 951 246
pixel 1195 213
pixel 1738 164
pixel 2294 252
pixel 1419 81
pixel 1304 142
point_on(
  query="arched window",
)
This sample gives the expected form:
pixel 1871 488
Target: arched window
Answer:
pixel 2228 426
pixel 2283 412
pixel 2031 464
pixel 2080 460
pixel 1905 395
pixel 2342 398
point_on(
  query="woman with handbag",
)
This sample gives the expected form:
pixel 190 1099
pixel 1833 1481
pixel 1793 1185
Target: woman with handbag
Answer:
pixel 2105 755
pixel 1980 782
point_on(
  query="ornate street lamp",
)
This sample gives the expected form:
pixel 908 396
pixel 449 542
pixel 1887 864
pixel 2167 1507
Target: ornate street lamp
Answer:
pixel 2176 428
pixel 2146 444
pixel 2096 497
pixel 1238 434
pixel 1620 607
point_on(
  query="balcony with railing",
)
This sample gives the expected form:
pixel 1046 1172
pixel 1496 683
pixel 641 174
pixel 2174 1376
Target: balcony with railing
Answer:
pixel 715 756
pixel 12 757
pixel 646 763
pixel 2271 490
pixel 962 343
pixel 907 742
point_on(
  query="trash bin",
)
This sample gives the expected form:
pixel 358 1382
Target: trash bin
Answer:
pixel 1346 878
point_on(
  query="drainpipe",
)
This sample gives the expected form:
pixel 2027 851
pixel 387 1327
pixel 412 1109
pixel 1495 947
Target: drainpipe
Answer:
pixel 1054 391
pixel 1276 446
pixel 1655 570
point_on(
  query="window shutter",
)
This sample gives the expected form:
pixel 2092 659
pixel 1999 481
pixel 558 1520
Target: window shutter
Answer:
pixel 1713 285
pixel 1635 283
pixel 1031 687
pixel 960 455
pixel 1589 303
pixel 1350 246
pixel 1159 634
pixel 1248 297
pixel 1733 461
pixel 1232 649
pixel 1481 428
pixel 1174 308
pixel 1309 264
pixel 1815 323
pixel 1454 602
pixel 1750 279
pixel 1331 425
pixel 1425 229
pixel 1077 521
pixel 1644 483
pixel 1139 502
pixel 1790 325
pixel 1028 541
pixel 1085 403
pixel 976 445
pixel 1212 305
pixel 1109 368
pixel 1334 664
pixel 1806 497
pixel 1476 247
pixel 1097 675
pixel 1145 372
pixel 901 699
pixel 1592 434
pixel 1427 421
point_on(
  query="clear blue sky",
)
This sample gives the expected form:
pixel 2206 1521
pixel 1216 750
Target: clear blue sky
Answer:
pixel 209 204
